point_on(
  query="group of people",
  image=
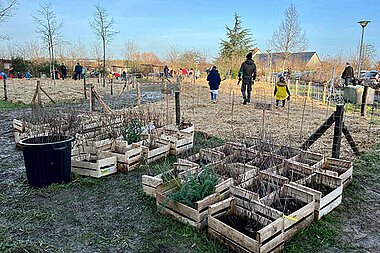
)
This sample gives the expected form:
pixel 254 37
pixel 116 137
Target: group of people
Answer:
pixel 183 72
pixel 247 75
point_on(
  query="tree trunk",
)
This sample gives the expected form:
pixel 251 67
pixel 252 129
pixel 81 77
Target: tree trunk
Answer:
pixel 104 63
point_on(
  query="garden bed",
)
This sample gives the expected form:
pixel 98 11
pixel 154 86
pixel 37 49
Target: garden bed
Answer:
pixel 296 205
pixel 94 166
pixel 292 171
pixel 252 228
pixel 128 156
pixel 206 156
pixel 313 160
pixel 237 171
pixel 194 213
pixel 340 168
pixel 155 149
pixel 327 190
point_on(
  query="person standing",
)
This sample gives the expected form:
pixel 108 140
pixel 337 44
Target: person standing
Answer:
pixel 247 74
pixel 214 80
pixel 348 74
pixel 281 92
pixel 78 71
pixel 63 70
pixel 166 72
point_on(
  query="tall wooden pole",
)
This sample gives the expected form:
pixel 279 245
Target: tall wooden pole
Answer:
pixel 337 131
pixel 177 109
pixel 363 106
pixel 138 94
pixel 84 87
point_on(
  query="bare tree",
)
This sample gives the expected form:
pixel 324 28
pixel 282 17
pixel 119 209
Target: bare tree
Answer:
pixel 102 25
pixel 7 8
pixel 49 29
pixel 290 36
pixel 368 57
pixel 132 54
pixel 173 56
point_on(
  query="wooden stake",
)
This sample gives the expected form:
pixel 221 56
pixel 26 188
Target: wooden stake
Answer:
pixel 91 98
pixel 111 86
pixel 363 106
pixel 324 93
pixel 303 115
pixel 308 89
pixel 138 95
pixel 296 87
pixel 5 89
pixel 337 131
pixel 177 109
pixel 232 114
pixel 39 93
pixel 84 87
pixel 287 123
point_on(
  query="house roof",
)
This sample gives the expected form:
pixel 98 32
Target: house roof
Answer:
pixel 304 57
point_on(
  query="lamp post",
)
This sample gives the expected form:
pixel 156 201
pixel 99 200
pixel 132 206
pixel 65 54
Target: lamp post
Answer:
pixel 363 24
pixel 363 106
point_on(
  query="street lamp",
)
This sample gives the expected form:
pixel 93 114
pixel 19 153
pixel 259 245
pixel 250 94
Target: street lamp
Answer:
pixel 363 23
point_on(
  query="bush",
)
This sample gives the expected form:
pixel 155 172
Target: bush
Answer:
pixel 132 131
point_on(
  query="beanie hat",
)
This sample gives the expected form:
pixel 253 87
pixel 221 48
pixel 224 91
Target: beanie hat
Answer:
pixel 249 56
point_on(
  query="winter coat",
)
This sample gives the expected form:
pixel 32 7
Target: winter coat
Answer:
pixel 214 79
pixel 78 68
pixel 281 91
pixel 348 72
pixel 248 71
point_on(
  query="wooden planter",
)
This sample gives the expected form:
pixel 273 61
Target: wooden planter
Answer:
pixel 269 238
pixel 292 171
pixel 101 165
pixel 237 171
pixel 230 148
pixel 268 182
pixel 313 160
pixel 339 168
pixel 324 204
pixel 206 156
pixel 266 161
pixel 180 140
pixel 196 217
pixel 180 170
pixel 160 150
pixel 128 156
pixel 245 156
pixel 297 219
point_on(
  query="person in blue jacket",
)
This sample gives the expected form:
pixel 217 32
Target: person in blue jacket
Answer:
pixel 214 80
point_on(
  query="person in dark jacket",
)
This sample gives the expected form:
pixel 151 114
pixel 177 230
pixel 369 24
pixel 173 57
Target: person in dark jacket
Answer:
pixel 214 80
pixel 247 74
pixel 63 70
pixel 166 72
pixel 348 74
pixel 78 71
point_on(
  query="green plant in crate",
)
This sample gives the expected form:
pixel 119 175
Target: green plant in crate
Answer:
pixel 132 131
pixel 196 187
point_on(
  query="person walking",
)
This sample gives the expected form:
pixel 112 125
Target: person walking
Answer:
pixel 63 70
pixel 214 80
pixel 166 72
pixel 348 74
pixel 247 74
pixel 78 71
pixel 281 92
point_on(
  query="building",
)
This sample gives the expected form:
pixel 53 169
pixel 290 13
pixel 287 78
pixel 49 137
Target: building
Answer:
pixel 5 64
pixel 296 61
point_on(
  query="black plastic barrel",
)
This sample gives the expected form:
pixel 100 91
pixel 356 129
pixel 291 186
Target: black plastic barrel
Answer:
pixel 47 159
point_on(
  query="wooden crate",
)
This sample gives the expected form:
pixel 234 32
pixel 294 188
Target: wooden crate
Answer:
pixel 311 159
pixel 19 126
pixel 245 156
pixel 196 217
pixel 292 171
pixel 237 171
pixel 180 170
pixel 270 238
pixel 128 156
pixel 263 180
pixel 100 167
pixel 180 140
pixel 297 219
pixel 206 156
pixel 266 161
pixel 324 204
pixel 160 150
pixel 339 168
pixel 230 148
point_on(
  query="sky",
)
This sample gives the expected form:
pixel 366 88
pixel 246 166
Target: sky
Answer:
pixel 331 25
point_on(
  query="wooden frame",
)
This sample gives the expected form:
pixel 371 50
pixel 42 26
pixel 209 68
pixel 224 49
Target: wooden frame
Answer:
pixel 180 140
pixel 208 156
pixel 306 157
pixel 339 168
pixel 229 148
pixel 103 166
pixel 237 171
pixel 270 238
pixel 128 156
pixel 299 219
pixel 160 150
pixel 150 183
pixel 323 204
pixel 296 169
pixel 196 217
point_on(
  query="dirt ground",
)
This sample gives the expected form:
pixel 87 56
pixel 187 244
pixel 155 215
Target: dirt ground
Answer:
pixel 113 215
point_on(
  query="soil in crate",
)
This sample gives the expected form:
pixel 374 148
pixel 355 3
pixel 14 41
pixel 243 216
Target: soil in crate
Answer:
pixel 292 175
pixel 262 188
pixel 243 224
pixel 324 189
pixel 286 152
pixel 308 160
pixel 287 205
